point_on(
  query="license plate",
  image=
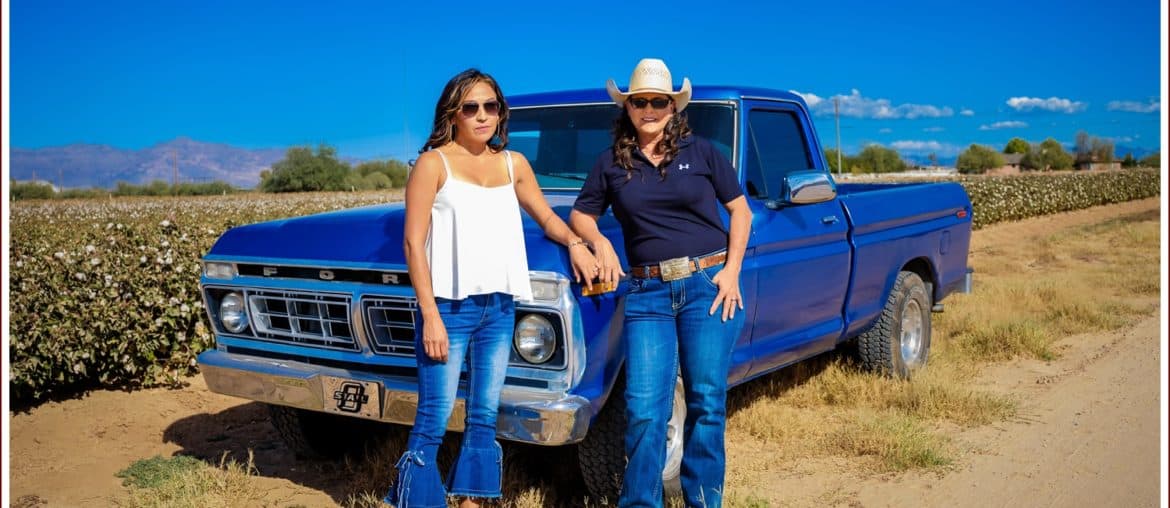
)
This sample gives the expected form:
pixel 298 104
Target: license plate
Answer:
pixel 352 397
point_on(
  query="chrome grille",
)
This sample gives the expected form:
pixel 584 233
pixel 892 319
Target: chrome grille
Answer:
pixel 390 323
pixel 302 318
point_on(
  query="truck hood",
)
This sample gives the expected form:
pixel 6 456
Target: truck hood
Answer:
pixel 371 237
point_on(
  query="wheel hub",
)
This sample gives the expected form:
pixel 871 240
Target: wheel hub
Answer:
pixel 912 332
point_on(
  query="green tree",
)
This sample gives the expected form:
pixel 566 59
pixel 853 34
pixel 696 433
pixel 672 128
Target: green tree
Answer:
pixel 377 181
pixel 1153 160
pixel 978 159
pixel 1048 155
pixel 302 169
pixel 1129 161
pixel 394 170
pixel 29 190
pixel 878 159
pixel 831 158
pixel 1017 145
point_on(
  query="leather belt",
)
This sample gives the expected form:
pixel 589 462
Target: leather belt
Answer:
pixel 677 268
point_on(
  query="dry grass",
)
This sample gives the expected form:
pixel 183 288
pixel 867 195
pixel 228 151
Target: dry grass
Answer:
pixel 1032 288
pixel 184 482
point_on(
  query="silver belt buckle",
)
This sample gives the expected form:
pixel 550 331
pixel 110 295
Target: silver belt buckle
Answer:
pixel 674 269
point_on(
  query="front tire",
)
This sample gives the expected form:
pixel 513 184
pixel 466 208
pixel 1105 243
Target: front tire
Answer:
pixel 898 344
pixel 317 435
pixel 602 456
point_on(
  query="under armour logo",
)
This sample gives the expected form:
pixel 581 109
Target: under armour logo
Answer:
pixel 684 166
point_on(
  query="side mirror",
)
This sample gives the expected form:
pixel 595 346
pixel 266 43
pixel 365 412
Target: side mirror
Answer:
pixel 804 187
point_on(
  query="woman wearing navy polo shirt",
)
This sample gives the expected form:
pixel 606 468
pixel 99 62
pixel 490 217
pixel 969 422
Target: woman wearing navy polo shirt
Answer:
pixel 665 186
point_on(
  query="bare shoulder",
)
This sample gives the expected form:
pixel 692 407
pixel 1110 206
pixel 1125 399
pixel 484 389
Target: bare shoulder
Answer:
pixel 520 163
pixel 428 168
pixel 518 157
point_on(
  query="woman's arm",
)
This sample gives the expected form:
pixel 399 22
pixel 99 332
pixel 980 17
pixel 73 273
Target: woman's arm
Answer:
pixel 532 200
pixel 424 182
pixel 728 278
pixel 608 265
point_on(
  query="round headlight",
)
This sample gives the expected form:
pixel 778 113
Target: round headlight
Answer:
pixel 535 339
pixel 232 313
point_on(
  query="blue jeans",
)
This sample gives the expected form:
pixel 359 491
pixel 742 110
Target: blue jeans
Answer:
pixel 479 329
pixel 668 330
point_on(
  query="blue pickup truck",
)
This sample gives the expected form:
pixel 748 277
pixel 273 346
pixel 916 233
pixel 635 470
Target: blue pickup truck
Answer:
pixel 315 316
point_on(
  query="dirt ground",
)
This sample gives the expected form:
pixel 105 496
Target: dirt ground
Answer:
pixel 1088 434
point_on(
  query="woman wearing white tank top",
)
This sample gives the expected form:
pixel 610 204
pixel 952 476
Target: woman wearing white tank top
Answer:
pixel 464 247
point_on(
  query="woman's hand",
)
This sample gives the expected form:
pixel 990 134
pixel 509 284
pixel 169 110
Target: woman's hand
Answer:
pixel 584 264
pixel 609 267
pixel 729 296
pixel 435 339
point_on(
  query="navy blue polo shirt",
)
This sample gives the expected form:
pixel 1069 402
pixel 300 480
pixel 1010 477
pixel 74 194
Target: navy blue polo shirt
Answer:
pixel 665 218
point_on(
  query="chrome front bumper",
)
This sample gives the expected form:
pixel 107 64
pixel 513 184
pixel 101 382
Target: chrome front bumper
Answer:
pixel 528 416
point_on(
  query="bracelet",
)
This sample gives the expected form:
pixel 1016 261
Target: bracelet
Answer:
pixel 577 242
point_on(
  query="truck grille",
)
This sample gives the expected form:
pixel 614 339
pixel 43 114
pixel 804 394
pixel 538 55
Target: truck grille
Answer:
pixel 302 318
pixel 390 322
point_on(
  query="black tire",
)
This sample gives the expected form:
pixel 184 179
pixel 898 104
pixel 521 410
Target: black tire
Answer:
pixel 602 456
pixel 317 435
pixel 899 342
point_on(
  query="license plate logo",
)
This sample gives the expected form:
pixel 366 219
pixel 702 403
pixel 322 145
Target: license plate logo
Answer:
pixel 358 398
pixel 351 397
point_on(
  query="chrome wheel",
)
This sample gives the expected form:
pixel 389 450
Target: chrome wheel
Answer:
pixel 912 333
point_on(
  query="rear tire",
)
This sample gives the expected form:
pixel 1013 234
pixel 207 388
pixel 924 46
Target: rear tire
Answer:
pixel 602 455
pixel 898 344
pixel 317 435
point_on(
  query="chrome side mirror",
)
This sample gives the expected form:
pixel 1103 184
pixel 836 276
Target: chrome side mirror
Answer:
pixel 804 187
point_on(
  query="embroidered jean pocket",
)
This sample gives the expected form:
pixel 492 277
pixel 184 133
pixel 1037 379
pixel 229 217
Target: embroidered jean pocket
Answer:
pixel 708 277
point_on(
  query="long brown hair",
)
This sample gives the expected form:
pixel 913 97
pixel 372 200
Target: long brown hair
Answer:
pixel 451 100
pixel 625 141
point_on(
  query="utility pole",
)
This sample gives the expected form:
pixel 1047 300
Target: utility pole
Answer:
pixel 837 117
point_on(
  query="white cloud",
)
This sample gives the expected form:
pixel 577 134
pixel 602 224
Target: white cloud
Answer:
pixel 924 147
pixel 1055 104
pixel 1011 124
pixel 1134 106
pixel 809 98
pixel 857 106
pixel 885 130
pixel 967 112
pixel 934 129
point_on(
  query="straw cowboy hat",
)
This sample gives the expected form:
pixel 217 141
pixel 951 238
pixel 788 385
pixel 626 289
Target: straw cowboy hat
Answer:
pixel 651 76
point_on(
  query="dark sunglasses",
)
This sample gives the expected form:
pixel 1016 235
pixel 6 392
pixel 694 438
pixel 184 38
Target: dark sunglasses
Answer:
pixel 657 102
pixel 472 108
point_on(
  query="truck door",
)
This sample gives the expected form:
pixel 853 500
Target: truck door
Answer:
pixel 800 253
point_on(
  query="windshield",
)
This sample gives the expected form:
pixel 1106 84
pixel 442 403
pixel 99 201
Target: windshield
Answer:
pixel 562 143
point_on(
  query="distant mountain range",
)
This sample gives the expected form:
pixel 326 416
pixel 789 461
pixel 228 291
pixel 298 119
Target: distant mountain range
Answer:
pixel 103 166
pixel 86 165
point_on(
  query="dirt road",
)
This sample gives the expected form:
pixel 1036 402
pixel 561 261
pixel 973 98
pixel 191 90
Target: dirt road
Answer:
pixel 1088 434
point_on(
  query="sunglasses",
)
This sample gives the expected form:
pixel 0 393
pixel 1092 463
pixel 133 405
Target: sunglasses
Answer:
pixel 472 108
pixel 657 102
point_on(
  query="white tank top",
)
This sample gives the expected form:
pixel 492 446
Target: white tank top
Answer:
pixel 476 242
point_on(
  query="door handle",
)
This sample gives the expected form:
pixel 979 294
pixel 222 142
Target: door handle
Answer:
pixel 829 219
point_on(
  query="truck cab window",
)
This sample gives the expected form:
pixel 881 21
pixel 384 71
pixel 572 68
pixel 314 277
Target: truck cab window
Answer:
pixel 776 146
pixel 562 142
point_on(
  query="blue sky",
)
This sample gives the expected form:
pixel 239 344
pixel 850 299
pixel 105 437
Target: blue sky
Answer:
pixel 916 76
